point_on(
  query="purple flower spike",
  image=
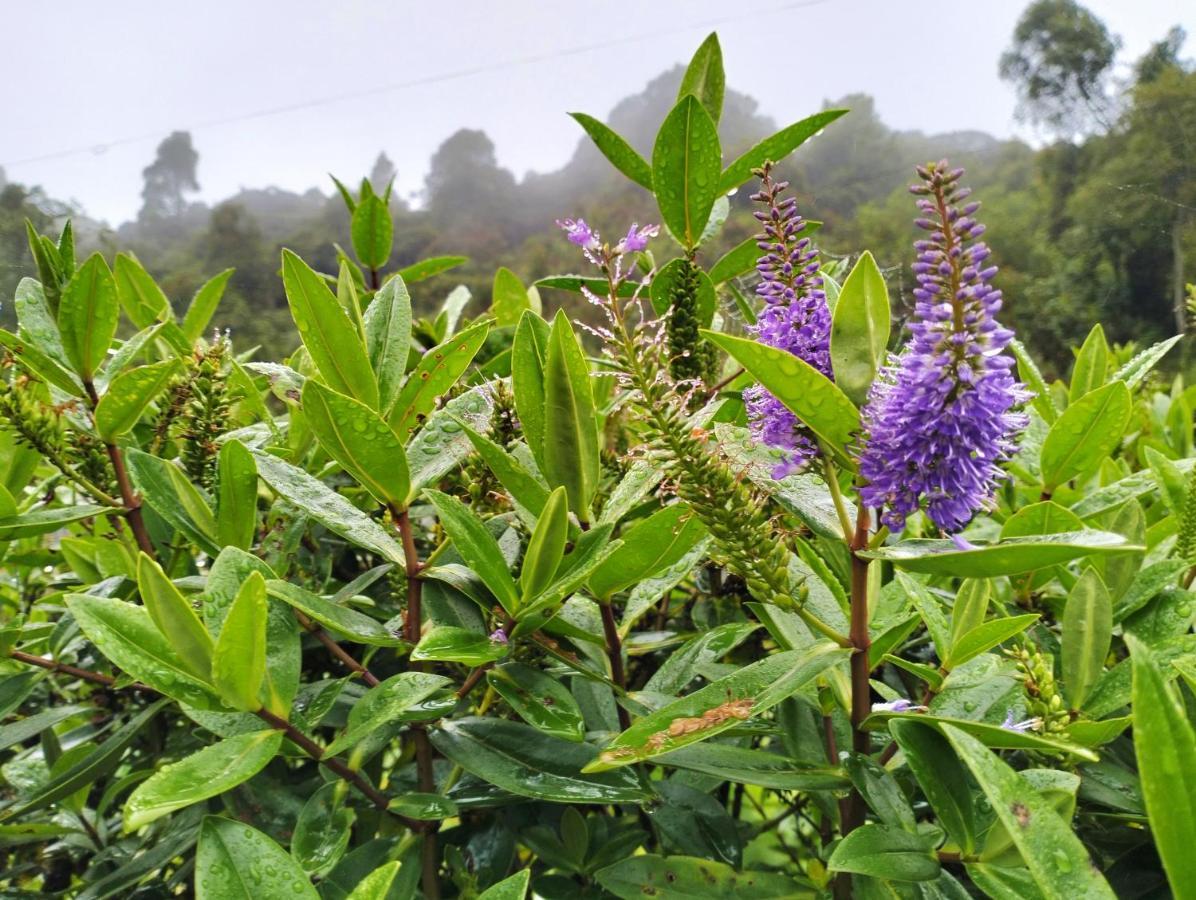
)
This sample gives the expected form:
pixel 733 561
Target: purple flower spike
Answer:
pixel 579 233
pixel 942 417
pixel 795 318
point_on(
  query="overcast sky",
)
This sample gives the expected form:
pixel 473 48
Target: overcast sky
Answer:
pixel 283 91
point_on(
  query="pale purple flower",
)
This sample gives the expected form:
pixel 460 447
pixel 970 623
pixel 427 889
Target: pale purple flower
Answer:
pixel 579 233
pixel 795 318
pixel 498 636
pixel 1021 727
pixel 942 417
pixel 899 705
pixel 637 240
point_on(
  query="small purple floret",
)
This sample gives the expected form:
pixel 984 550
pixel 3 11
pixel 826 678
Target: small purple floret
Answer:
pixel 637 240
pixel 579 233
pixel 942 417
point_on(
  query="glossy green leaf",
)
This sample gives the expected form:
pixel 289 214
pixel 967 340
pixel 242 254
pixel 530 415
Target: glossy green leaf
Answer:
pixel 447 643
pixel 1028 371
pixel 570 451
pixel 207 773
pixel 588 553
pixel 942 777
pixel 166 488
pixel 129 394
pixel 384 704
pixel 426 268
pixel 1044 517
pixel 87 316
pixel 1009 557
pixel 883 851
pixel 477 547
pixel 513 888
pixel 342 619
pixel 720 705
pixel 691 878
pixel 239 659
pixel 993 736
pixel 324 827
pixel 1165 746
pixel 525 488
pixel 650 545
pixel 742 765
pixel 387 323
pixel 41 364
pixel 1136 370
pixel 985 636
pixel 1087 635
pixel 328 508
pixel 529 350
pixel 203 305
pixel 527 762
pixel 372 231
pixel 175 618
pixel 686 162
pixel 236 496
pixel 775 148
pixel 1051 851
pixel 704 77
pixel 1091 365
pixel 330 338
pixel 377 885
pixel 546 547
pixel 437 371
pixel 970 607
pixel 143 301
pixel 539 699
pixel 360 441
pixel 860 329
pixel 805 391
pixel 509 298
pixel 442 445
pixel 237 862
pixel 1087 432
pixel 47 519
pixel 616 149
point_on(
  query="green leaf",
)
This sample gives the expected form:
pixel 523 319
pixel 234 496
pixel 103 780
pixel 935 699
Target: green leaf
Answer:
pixel 574 284
pixel 509 298
pixel 860 329
pixel 720 705
pixel 620 153
pixel 203 305
pixel 1136 370
pixel 477 547
pixel 207 773
pixel 372 231
pixel 1028 371
pixel 650 545
pixel 1054 855
pixel 880 791
pixel 87 316
pixel 165 487
pixel 174 617
pixel 513 888
pixel 143 301
pixel 239 660
pixel 685 169
pixel 437 371
pixel 377 885
pixel 775 148
pixel 1088 431
pixel 41 364
pixel 425 807
pixel 525 488
pixel 129 394
pixel 21 730
pixel 447 643
pixel 328 508
pixel 571 450
pixel 385 703
pixel 985 636
pixel 755 767
pixel 388 339
pixel 426 268
pixel 442 445
pixel 1165 746
pixel 590 550
pixel 330 338
pixel 742 258
pixel 238 862
pixel 1009 557
pixel 1091 365
pixel 805 391
pixel 236 496
pixel 524 761
pixel 990 735
pixel 942 777
pixel 323 829
pixel 47 519
pixel 357 626
pixel 882 851
pixel 704 77
pixel 539 699
pixel 127 636
pixel 1087 635
pixel 546 547
pixel 970 607
pixel 1044 517
pixel 360 441
pixel 691 878
pixel 529 350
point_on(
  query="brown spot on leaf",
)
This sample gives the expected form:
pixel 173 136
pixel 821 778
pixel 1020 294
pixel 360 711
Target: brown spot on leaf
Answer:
pixel 1021 813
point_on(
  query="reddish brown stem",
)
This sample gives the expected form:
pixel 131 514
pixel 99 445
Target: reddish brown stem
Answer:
pixel 127 495
pixel 337 650
pixel 614 650
pixel 472 681
pixel 861 670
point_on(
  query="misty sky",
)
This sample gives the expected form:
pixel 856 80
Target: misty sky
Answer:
pixel 88 89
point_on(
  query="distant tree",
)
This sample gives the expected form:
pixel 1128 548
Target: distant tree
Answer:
pixel 169 177
pixel 1161 56
pixel 1060 61
pixel 383 172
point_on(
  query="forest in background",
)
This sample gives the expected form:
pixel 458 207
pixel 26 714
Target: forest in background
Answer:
pixel 1099 223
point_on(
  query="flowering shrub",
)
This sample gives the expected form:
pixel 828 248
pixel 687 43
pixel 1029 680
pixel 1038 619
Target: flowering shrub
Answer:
pixel 730 599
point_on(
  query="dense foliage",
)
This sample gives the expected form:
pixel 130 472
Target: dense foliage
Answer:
pixel 738 590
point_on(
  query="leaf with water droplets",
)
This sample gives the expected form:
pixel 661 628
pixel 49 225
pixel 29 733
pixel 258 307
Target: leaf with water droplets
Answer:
pixel 686 162
pixel 323 830
pixel 539 699
pixel 1087 432
pixel 436 372
pixel 691 878
pixel 238 862
pixel 1008 557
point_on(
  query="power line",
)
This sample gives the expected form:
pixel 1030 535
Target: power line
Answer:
pixel 455 75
